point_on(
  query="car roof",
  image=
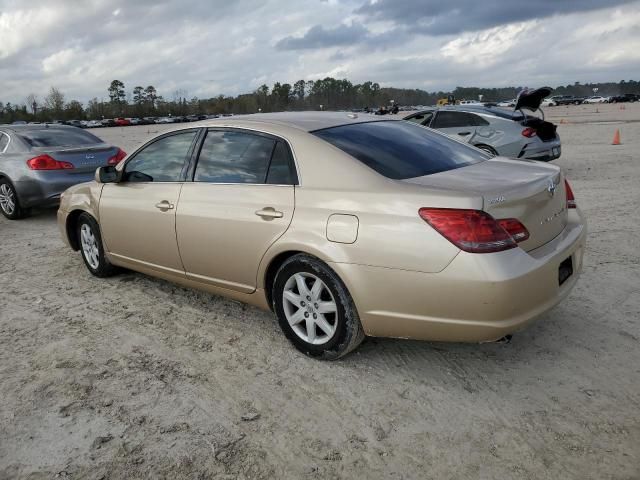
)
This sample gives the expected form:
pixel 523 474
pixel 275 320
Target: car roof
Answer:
pixel 496 111
pixel 306 121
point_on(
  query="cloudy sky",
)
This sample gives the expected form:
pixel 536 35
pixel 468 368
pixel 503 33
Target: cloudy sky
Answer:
pixel 210 47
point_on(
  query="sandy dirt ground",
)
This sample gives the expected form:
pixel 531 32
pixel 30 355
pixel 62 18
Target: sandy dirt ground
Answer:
pixel 133 377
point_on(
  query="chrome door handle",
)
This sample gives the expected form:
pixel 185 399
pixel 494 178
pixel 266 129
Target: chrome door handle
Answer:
pixel 269 212
pixel 164 205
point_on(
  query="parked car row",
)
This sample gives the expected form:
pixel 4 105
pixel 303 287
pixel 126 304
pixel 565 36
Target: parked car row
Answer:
pixel 570 99
pixel 125 122
pixel 556 100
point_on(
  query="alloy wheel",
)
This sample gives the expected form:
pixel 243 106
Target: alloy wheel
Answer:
pixel 7 199
pixel 310 308
pixel 90 246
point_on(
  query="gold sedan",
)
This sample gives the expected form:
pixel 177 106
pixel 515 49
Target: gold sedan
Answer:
pixel 344 226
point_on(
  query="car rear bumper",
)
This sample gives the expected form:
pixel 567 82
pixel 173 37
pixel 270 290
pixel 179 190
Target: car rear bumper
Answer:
pixel 542 151
pixel 477 298
pixel 44 188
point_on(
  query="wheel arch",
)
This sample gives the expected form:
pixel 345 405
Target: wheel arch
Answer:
pixel 273 264
pixel 272 268
pixel 484 146
pixel 71 224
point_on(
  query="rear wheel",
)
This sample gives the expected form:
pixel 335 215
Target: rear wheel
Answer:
pixel 314 309
pixel 488 149
pixel 9 203
pixel 90 242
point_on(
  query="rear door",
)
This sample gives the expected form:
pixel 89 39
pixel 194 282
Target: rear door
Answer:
pixel 138 214
pixel 460 125
pixel 240 202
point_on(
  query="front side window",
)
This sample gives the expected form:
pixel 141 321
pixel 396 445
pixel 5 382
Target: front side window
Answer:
pixel 161 161
pixel 399 149
pixel 229 156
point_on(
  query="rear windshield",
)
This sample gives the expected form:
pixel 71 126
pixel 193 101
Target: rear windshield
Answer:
pixel 58 137
pixel 400 150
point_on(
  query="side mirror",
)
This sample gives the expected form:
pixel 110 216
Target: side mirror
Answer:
pixel 107 174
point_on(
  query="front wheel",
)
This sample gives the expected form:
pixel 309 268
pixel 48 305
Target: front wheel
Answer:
pixel 91 247
pixel 314 309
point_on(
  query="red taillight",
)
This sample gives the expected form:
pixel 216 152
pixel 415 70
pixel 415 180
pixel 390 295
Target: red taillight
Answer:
pixel 514 228
pixel 45 162
pixel 120 154
pixel 529 132
pixel 571 200
pixel 473 231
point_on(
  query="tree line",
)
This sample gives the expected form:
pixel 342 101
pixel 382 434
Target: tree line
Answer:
pixel 324 94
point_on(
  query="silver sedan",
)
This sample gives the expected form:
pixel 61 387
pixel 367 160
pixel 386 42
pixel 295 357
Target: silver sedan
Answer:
pixel 495 130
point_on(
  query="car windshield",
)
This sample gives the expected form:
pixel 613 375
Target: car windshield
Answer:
pixel 58 137
pixel 400 150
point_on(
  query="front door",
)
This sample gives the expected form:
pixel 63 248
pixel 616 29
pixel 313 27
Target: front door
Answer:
pixel 240 202
pixel 138 214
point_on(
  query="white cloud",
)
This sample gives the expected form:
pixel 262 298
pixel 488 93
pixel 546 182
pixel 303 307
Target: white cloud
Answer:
pixel 58 61
pixel 486 48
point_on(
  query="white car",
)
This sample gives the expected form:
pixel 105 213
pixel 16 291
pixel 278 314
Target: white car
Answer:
pixel 548 102
pixel 507 103
pixel 93 124
pixel 596 99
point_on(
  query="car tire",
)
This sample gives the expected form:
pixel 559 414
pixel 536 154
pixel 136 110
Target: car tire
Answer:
pixel 320 320
pixel 9 203
pixel 91 247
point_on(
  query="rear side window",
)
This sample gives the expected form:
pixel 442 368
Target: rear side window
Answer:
pixel 58 137
pixel 399 150
pixel 234 157
pixel 281 170
pixel 230 156
pixel 477 120
pixel 446 119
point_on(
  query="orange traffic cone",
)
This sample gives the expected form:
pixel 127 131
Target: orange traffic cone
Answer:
pixel 616 138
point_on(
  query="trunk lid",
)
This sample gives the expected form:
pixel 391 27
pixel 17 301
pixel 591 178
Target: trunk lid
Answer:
pixel 512 189
pixel 84 159
pixel 531 99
